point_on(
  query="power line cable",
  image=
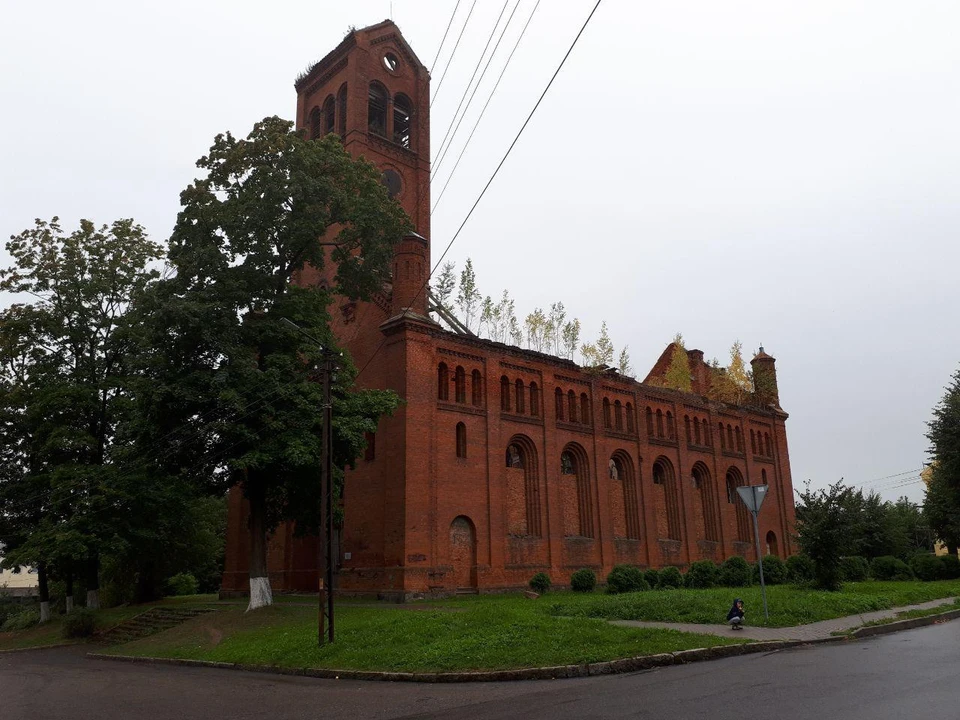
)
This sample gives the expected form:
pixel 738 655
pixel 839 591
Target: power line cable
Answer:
pixel 445 33
pixel 473 76
pixel 450 61
pixel 485 106
pixel 495 172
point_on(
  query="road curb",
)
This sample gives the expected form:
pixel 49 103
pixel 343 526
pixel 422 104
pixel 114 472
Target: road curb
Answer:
pixel 41 647
pixel 909 624
pixel 610 667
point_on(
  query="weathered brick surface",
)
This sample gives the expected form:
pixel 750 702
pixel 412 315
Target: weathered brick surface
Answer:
pixel 420 519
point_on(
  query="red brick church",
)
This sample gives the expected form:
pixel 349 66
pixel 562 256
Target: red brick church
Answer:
pixel 504 462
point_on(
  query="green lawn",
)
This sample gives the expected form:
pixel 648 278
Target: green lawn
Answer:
pixel 788 605
pixel 483 633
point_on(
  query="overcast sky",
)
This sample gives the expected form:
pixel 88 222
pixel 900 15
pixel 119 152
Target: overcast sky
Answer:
pixel 780 173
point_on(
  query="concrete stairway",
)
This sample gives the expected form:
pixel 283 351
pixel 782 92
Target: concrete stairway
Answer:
pixel 152 621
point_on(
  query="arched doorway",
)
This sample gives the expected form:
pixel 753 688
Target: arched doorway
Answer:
pixel 463 553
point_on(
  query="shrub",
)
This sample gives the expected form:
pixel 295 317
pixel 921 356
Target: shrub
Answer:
pixel 21 620
pixel 583 580
pixel 800 569
pixel 774 571
pixel 79 624
pixel 540 583
pixel 735 572
pixel 702 574
pixel 927 567
pixel 951 567
pixel 888 567
pixel 651 576
pixel 182 584
pixel 854 568
pixel 670 577
pixel 626 578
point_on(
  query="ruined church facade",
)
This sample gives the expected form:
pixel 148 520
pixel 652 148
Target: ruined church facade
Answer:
pixel 504 462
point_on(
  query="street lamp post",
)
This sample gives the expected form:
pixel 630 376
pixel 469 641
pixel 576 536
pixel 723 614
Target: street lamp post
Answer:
pixel 753 497
pixel 326 493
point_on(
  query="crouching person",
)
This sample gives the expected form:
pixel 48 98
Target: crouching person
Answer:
pixel 736 615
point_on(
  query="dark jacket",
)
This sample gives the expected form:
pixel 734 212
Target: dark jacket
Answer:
pixel 735 611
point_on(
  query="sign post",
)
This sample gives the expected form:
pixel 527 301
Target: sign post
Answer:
pixel 753 497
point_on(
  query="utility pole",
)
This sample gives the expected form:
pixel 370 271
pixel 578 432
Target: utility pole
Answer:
pixel 325 621
pixel 753 497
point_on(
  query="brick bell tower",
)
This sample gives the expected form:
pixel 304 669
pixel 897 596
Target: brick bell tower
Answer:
pixel 374 92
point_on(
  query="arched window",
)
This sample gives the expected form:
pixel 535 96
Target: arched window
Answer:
pixel 521 400
pixel 731 445
pixel 370 452
pixel 534 400
pixel 621 469
pixel 671 428
pixel 723 441
pixel 573 461
pixel 606 412
pixel 708 509
pixel 739 439
pixel 443 382
pixel 707 440
pixel 649 414
pixel 659 423
pixel 402 124
pixel 342 107
pixel 584 409
pixel 618 416
pixel 687 428
pixel 753 442
pixel 476 388
pixel 631 425
pixel 572 405
pixel 668 523
pixel 772 546
pixel 558 401
pixel 461 440
pixel 460 383
pixel 697 435
pixel 763 477
pixel 329 114
pixel 523 479
pixel 377 109
pixel 744 524
pixel 505 394
pixel 316 123
pixel 766 437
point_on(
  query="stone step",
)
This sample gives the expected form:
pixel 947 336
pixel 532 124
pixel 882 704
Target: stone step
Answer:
pixel 151 622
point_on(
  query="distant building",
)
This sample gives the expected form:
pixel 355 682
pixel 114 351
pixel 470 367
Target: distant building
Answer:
pixel 503 462
pixel 18 584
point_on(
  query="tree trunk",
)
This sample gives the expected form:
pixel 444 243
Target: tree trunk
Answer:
pixel 93 582
pixel 68 581
pixel 260 593
pixel 44 592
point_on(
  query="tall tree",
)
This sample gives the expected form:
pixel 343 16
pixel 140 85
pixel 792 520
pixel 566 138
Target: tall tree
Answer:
pixel 233 393
pixel 943 492
pixel 445 284
pixel 81 285
pixel 555 325
pixel 678 374
pixel 536 326
pixel 571 338
pixel 468 296
pixel 826 530
pixel 623 363
pixel 605 351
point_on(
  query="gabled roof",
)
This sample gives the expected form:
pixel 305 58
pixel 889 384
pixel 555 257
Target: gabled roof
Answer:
pixel 389 31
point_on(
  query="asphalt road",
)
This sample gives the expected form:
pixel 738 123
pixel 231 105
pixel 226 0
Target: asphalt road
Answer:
pixel 912 674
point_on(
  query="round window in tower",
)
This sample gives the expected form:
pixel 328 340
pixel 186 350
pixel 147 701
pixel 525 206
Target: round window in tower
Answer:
pixel 393 182
pixel 391 62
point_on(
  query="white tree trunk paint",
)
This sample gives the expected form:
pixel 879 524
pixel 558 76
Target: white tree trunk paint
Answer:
pixel 45 611
pixel 69 604
pixel 93 599
pixel 260 593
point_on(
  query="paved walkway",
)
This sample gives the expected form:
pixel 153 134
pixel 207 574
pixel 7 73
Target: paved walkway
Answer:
pixel 811 631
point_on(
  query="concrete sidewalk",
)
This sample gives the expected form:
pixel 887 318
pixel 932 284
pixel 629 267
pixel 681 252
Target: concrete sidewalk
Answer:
pixel 812 631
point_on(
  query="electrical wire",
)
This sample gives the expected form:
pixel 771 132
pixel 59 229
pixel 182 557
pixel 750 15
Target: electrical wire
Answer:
pixel 445 33
pixel 474 75
pixel 485 106
pixel 503 160
pixel 454 52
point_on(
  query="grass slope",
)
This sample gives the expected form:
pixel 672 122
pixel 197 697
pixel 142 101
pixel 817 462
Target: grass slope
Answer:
pixel 788 605
pixel 497 633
